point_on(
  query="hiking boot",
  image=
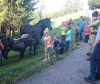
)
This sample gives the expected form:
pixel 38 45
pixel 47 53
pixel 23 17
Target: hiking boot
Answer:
pixel 89 79
pixel 88 54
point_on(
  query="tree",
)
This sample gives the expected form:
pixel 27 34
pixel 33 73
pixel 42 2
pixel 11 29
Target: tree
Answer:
pixel 94 4
pixel 15 13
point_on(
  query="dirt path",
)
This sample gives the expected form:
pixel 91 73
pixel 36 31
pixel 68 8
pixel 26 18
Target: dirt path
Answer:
pixel 71 70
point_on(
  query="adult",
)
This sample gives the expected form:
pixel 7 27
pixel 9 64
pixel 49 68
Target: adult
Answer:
pixel 81 22
pixel 93 33
pixel 82 18
pixel 68 23
pixel 95 59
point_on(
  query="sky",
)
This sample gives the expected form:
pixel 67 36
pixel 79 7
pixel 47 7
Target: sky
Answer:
pixel 54 5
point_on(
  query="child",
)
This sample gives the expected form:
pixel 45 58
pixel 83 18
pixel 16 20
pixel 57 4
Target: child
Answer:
pixel 68 37
pixel 47 44
pixel 56 44
pixel 77 29
pixel 63 32
pixel 87 33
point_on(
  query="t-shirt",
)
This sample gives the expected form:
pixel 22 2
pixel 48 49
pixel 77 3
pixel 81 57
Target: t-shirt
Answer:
pixel 95 28
pixel 56 42
pixel 68 35
pixel 63 31
pixel 98 34
pixel 81 25
pixel 47 40
pixel 87 31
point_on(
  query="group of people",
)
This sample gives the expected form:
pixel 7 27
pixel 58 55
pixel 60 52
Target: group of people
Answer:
pixel 65 37
pixel 94 48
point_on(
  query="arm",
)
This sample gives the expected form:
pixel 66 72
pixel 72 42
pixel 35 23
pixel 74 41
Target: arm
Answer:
pixel 1 45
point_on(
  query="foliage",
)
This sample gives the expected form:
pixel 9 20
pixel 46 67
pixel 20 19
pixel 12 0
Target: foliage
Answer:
pixel 16 12
pixel 68 8
pixel 94 4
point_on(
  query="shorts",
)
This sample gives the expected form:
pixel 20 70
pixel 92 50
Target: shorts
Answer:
pixel 92 39
pixel 47 49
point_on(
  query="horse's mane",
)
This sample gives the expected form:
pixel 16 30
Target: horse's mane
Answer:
pixel 40 22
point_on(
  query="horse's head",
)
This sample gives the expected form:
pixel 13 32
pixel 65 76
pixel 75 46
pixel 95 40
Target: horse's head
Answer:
pixel 48 23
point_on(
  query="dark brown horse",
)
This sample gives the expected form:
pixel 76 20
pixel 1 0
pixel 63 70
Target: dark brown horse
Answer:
pixel 36 29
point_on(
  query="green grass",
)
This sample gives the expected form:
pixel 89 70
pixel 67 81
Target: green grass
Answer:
pixel 14 69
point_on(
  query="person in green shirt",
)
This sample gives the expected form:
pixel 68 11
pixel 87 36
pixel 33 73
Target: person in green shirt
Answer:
pixel 94 28
pixel 63 31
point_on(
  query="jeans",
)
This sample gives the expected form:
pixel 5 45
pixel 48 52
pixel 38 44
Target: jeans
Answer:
pixel 95 62
pixel 86 38
pixel 63 39
pixel 67 45
pixel 76 36
pixel 81 35
pixel 55 51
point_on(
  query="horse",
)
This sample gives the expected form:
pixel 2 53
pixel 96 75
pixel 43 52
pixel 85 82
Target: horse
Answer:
pixel 38 28
pixel 7 42
pixel 18 45
pixel 34 44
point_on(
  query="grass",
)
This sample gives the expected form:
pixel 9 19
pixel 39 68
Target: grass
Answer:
pixel 14 69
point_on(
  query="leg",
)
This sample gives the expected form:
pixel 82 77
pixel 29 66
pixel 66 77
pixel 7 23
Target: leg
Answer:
pixel 35 50
pixel 98 62
pixel 22 54
pixel 93 62
pixel 55 52
pixel 0 60
pixel 6 53
pixel 30 50
pixel 67 45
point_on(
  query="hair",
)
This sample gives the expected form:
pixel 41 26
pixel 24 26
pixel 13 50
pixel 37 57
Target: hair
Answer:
pixel 56 36
pixel 95 14
pixel 69 27
pixel 45 32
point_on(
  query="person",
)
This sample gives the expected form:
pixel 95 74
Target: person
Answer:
pixel 63 32
pixel 95 59
pixel 68 23
pixel 68 37
pixel 77 29
pixel 47 44
pixel 93 33
pixel 82 18
pixel 1 48
pixel 56 45
pixel 81 22
pixel 87 33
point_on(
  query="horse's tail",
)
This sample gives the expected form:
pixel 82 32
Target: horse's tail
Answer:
pixel 22 28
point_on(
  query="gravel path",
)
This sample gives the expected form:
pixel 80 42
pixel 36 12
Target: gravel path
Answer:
pixel 71 70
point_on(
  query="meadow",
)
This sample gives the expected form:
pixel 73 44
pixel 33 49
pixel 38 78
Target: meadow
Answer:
pixel 14 69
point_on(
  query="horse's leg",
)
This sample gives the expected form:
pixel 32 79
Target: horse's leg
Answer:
pixel 35 50
pixel 6 53
pixel 30 50
pixel 22 53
